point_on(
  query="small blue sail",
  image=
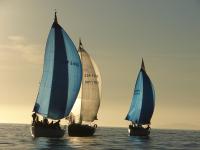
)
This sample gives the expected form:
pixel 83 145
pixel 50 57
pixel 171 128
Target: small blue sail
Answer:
pixel 143 101
pixel 62 75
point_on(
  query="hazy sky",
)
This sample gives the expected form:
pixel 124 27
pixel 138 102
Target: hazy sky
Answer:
pixel 117 34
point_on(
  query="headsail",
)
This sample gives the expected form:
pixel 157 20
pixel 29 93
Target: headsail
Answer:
pixel 88 101
pixel 62 74
pixel 143 100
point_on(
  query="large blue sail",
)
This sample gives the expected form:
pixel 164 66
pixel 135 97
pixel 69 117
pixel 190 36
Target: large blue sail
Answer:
pixel 62 75
pixel 143 100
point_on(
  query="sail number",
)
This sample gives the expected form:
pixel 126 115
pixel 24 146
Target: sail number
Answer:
pixel 73 63
pixel 90 75
pixel 88 81
pixel 91 82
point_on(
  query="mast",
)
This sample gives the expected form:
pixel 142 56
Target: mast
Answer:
pixel 142 66
pixel 76 110
pixel 55 17
pixel 80 44
pixel 80 49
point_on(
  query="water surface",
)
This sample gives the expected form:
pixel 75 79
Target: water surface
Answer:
pixel 14 136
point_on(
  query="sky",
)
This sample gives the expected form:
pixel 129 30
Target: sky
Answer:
pixel 117 34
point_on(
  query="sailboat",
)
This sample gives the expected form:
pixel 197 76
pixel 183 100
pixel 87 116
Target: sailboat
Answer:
pixel 142 105
pixel 86 107
pixel 60 83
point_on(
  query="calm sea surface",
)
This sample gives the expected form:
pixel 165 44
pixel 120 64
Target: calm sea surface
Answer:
pixel 13 136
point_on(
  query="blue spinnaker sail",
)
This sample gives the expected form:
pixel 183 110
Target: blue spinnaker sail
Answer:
pixel 143 101
pixel 62 75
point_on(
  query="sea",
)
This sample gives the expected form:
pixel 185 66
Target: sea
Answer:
pixel 18 137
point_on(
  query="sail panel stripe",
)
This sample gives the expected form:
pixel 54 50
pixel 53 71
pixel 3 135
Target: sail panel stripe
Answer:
pixel 43 97
pixel 142 105
pixel 147 102
pixel 74 72
pixel 58 100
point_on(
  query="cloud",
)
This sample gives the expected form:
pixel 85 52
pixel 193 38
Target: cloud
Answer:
pixel 18 50
pixel 16 39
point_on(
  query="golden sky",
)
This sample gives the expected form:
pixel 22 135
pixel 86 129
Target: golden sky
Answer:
pixel 117 34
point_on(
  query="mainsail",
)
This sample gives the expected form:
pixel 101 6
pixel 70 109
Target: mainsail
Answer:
pixel 62 75
pixel 88 101
pixel 142 105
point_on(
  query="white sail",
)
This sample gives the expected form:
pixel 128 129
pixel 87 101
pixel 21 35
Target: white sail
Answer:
pixel 76 109
pixel 88 101
pixel 97 71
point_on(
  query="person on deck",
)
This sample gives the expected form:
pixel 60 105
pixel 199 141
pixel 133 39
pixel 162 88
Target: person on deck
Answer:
pixel 133 124
pixel 35 118
pixel 57 124
pixel 71 118
pixel 51 124
pixel 130 126
pixel 45 122
pixel 148 127
pixel 139 126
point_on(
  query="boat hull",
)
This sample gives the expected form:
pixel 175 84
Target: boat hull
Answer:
pixel 46 132
pixel 135 131
pixel 81 130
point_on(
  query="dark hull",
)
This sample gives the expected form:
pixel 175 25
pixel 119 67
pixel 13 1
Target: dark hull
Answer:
pixel 135 131
pixel 80 130
pixel 46 132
